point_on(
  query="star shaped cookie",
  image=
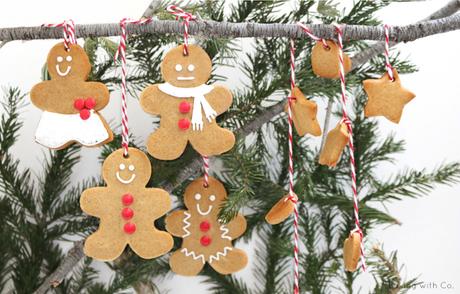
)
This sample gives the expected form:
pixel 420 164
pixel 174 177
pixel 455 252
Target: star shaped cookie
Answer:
pixel 386 98
pixel 304 114
pixel 336 141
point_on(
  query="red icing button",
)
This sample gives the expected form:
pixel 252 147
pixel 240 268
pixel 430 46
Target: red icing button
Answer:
pixel 84 114
pixel 127 213
pixel 184 107
pixel 184 123
pixel 79 104
pixel 127 199
pixel 129 228
pixel 205 240
pixel 90 103
pixel 205 226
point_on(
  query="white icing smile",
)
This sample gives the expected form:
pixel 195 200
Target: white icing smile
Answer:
pixel 123 181
pixel 61 73
pixel 185 78
pixel 201 212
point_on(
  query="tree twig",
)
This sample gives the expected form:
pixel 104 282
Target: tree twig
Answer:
pixel 207 28
pixel 76 253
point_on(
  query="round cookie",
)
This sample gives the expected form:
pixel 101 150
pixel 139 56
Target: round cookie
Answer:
pixel 325 60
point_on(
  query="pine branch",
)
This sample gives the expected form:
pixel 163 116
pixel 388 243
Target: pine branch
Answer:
pixel 208 28
pixel 76 253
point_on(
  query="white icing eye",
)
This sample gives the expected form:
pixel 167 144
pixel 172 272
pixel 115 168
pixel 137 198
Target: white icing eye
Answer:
pixel 212 197
pixel 197 196
pixel 60 59
pixel 191 67
pixel 131 167
pixel 68 58
pixel 178 67
pixel 122 166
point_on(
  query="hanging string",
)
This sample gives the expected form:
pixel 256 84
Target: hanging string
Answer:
pixel 347 122
pixel 121 53
pixel 68 30
pixel 388 66
pixel 205 171
pixel 310 34
pixel 186 18
pixel 292 196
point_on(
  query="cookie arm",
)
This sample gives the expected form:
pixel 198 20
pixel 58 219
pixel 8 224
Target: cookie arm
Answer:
pixel 100 93
pixel 159 201
pixel 94 200
pixel 236 227
pixel 38 95
pixel 175 223
pixel 150 100
pixel 220 99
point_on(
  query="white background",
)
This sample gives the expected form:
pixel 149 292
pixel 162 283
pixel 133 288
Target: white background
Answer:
pixel 428 240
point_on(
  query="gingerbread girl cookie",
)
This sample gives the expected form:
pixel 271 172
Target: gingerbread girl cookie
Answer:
pixel 187 106
pixel 69 102
pixel 126 209
pixel 205 239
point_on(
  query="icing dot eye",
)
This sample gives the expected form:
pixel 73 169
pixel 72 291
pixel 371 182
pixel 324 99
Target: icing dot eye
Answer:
pixel 178 67
pixel 197 196
pixel 122 166
pixel 131 167
pixel 68 58
pixel 212 197
pixel 60 59
pixel 191 67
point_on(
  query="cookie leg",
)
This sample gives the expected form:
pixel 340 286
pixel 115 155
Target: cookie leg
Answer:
pixel 103 245
pixel 186 263
pixel 165 146
pixel 213 140
pixel 151 243
pixel 230 261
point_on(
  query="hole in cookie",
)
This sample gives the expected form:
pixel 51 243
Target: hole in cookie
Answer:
pixel 205 185
pixel 327 48
pixel 125 155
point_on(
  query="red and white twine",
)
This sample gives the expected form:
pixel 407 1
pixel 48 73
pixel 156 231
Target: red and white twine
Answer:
pixel 121 53
pixel 205 170
pixel 310 34
pixel 68 30
pixel 347 122
pixel 388 66
pixel 186 18
pixel 292 196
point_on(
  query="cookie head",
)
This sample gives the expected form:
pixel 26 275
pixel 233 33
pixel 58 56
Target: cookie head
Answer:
pixel 135 169
pixel 72 63
pixel 205 200
pixel 186 71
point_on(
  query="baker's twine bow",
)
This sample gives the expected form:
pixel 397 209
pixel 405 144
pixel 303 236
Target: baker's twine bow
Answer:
pixel 186 17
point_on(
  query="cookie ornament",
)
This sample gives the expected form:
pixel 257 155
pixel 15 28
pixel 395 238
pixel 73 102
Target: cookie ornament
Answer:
pixel 352 252
pixel 336 141
pixel 187 106
pixel 304 114
pixel 69 102
pixel 325 60
pixel 204 238
pixel 386 95
pixel 126 209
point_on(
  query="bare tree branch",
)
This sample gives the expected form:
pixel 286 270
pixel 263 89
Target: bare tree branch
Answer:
pixel 207 28
pixel 76 253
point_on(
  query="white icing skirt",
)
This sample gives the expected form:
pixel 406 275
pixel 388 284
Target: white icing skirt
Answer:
pixel 55 130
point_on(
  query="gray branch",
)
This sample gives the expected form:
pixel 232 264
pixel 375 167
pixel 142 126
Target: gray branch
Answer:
pixel 207 28
pixel 75 254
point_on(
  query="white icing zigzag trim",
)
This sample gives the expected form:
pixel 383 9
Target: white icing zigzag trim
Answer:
pixel 186 225
pixel 192 253
pixel 219 254
pixel 224 233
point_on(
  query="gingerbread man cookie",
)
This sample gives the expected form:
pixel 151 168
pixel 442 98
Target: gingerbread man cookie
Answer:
pixel 126 209
pixel 187 106
pixel 70 104
pixel 205 239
